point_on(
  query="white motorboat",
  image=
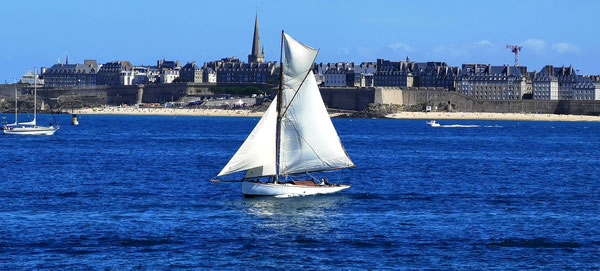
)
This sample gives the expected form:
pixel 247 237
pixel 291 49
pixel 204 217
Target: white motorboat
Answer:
pixel 31 127
pixel 294 137
pixel 433 123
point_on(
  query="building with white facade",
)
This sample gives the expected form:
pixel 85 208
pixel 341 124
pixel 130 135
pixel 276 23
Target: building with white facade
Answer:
pixel 209 75
pixel 335 77
pixel 168 75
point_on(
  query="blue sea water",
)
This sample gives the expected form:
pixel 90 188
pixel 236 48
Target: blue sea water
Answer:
pixel 132 192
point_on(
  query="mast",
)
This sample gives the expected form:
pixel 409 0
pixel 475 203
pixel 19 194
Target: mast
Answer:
pixel 16 104
pixel 279 98
pixel 34 96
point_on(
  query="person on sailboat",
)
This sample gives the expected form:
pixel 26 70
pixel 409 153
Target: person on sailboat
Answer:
pixel 324 181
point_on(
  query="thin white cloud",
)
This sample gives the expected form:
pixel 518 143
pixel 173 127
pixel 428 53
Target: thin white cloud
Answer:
pixel 451 50
pixel 401 46
pixel 565 47
pixel 484 43
pixel 535 45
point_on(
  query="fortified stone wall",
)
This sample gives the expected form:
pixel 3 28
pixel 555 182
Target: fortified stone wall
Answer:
pixel 59 97
pixel 340 98
pixel 359 98
pixel 464 103
pixel 348 98
pixel 173 92
pixel 388 96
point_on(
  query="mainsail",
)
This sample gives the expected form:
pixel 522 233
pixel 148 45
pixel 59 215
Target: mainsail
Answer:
pixel 308 141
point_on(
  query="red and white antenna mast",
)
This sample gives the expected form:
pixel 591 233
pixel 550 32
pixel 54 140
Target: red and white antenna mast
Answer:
pixel 515 49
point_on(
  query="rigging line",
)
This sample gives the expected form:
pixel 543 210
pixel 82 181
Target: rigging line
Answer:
pixel 302 83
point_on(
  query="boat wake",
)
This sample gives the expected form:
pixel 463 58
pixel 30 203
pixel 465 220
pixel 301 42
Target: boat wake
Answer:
pixel 467 126
pixel 459 125
pixel 288 196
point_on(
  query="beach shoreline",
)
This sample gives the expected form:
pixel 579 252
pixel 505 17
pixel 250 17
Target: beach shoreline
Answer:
pixel 491 116
pixel 161 111
pixel 402 115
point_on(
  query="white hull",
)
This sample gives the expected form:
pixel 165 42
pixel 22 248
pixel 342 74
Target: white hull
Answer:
pixel 30 131
pixel 253 189
pixel 433 123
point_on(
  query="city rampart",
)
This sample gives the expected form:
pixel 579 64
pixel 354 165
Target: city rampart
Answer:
pixel 440 99
pixel 348 98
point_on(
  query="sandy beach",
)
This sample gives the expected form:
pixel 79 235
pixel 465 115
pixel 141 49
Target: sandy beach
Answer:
pixel 161 111
pixel 491 116
pixel 402 115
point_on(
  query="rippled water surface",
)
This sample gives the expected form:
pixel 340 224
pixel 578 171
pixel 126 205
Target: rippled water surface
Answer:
pixel 132 192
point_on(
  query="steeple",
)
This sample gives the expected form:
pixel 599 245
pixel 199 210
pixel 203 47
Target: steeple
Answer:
pixel 256 54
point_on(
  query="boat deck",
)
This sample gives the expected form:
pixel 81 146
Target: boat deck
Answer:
pixel 305 183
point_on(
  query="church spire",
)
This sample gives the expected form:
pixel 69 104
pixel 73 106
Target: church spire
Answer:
pixel 256 54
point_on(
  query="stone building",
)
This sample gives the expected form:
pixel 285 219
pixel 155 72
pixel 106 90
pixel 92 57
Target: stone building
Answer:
pixel 586 88
pixel 415 74
pixel 554 83
pixel 115 73
pixel 69 75
pixel 489 82
pixel 339 74
pixel 394 73
pixel 190 72
pixel 366 71
pixel 232 70
pixel 334 78
pixel 436 74
pixel 344 74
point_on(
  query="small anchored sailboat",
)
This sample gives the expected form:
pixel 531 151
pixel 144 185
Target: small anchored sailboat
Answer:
pixel 31 127
pixel 295 136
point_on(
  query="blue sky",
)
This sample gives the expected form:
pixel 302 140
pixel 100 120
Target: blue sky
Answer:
pixel 37 33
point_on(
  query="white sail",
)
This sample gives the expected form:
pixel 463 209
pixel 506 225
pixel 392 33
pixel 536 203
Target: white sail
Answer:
pixel 257 153
pixel 33 122
pixel 308 140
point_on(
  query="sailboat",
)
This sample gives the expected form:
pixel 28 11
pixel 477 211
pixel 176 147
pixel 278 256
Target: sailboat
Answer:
pixel 294 137
pixel 31 127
